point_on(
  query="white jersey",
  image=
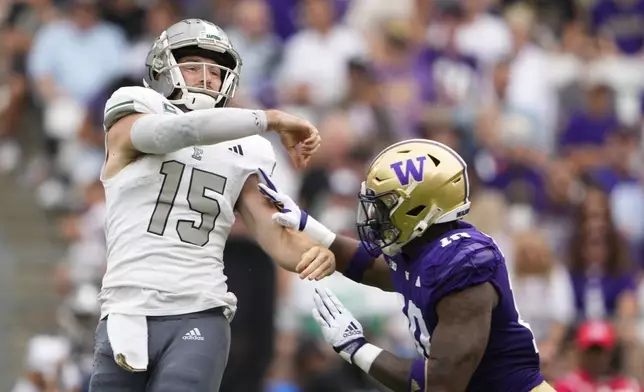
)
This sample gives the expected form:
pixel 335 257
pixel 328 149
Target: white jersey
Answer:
pixel 168 218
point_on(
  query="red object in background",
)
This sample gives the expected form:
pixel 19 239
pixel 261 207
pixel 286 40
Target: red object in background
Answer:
pixel 596 333
pixel 579 381
pixel 601 334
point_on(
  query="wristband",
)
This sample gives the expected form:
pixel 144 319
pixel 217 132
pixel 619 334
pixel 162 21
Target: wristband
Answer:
pixel 261 120
pixel 365 356
pixel 417 376
pixel 360 261
pixel 316 230
pixel 347 351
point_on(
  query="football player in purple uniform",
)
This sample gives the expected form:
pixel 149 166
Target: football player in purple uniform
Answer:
pixel 457 294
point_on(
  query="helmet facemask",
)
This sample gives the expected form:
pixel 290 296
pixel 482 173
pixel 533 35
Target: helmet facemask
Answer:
pixel 382 216
pixel 375 228
pixel 226 65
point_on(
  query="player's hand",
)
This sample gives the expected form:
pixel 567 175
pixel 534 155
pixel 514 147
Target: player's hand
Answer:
pixel 340 329
pixel 295 131
pixel 290 215
pixel 316 263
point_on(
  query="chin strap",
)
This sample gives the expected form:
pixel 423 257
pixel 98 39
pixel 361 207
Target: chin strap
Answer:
pixel 195 101
pixel 420 228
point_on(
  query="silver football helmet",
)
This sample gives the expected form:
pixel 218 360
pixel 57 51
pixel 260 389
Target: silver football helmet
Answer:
pixel 192 37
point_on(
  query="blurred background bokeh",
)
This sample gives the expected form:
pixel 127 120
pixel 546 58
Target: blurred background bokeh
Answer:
pixel 543 98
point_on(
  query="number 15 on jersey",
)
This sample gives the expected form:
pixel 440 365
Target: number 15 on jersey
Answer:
pixel 190 232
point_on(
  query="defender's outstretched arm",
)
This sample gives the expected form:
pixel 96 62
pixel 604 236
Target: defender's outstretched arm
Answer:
pixel 352 258
pixel 354 262
pixel 292 250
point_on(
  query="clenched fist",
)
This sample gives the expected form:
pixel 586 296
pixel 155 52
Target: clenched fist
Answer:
pixel 316 263
pixel 295 131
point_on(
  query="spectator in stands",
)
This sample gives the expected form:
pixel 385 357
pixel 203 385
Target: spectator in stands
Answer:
pixel 313 370
pixel 365 108
pixel 596 343
pixel 127 15
pixel 601 267
pixel 564 192
pixel 255 42
pixel 322 49
pixel 316 183
pixel 482 34
pixel 543 293
pixel 77 319
pixel 403 69
pixel 22 22
pixel 48 368
pixel 615 23
pixel 252 277
pixel 164 13
pixel 620 159
pixel 530 88
pixel 77 56
pixel 587 128
pixel 71 60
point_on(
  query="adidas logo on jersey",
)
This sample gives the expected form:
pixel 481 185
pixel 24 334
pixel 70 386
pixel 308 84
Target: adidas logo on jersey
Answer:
pixel 237 149
pixel 351 330
pixel 194 334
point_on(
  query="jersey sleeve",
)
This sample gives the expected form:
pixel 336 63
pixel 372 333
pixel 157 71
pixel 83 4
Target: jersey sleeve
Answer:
pixel 135 99
pixel 472 264
pixel 261 154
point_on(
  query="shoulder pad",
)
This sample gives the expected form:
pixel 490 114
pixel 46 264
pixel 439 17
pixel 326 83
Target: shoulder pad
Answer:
pixel 261 152
pixel 469 264
pixel 135 99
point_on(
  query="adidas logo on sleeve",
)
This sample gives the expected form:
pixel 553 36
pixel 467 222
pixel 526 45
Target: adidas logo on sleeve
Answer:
pixel 194 334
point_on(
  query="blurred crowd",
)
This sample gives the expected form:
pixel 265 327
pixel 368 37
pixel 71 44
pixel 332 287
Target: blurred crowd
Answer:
pixel 544 99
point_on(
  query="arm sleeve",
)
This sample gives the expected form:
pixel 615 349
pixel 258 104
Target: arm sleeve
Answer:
pixel 166 129
pixel 165 133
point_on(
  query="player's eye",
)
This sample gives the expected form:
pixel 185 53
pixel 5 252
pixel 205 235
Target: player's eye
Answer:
pixel 191 68
pixel 382 210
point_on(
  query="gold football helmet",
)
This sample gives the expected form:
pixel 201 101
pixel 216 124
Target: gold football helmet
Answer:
pixel 410 186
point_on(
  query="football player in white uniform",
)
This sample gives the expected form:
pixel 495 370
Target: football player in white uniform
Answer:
pixel 178 166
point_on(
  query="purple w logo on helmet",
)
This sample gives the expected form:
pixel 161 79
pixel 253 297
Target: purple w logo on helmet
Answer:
pixel 409 168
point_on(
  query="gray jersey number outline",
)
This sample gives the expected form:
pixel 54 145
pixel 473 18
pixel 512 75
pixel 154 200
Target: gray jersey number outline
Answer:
pixel 189 231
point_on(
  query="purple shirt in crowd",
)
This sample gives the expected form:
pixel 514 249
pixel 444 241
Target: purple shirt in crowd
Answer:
pixel 285 15
pixel 622 20
pixel 583 129
pixel 612 287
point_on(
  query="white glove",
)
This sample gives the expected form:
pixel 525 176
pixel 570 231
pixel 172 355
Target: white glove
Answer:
pixel 341 330
pixel 290 214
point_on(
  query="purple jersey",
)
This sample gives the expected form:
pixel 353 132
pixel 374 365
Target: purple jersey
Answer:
pixel 460 258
